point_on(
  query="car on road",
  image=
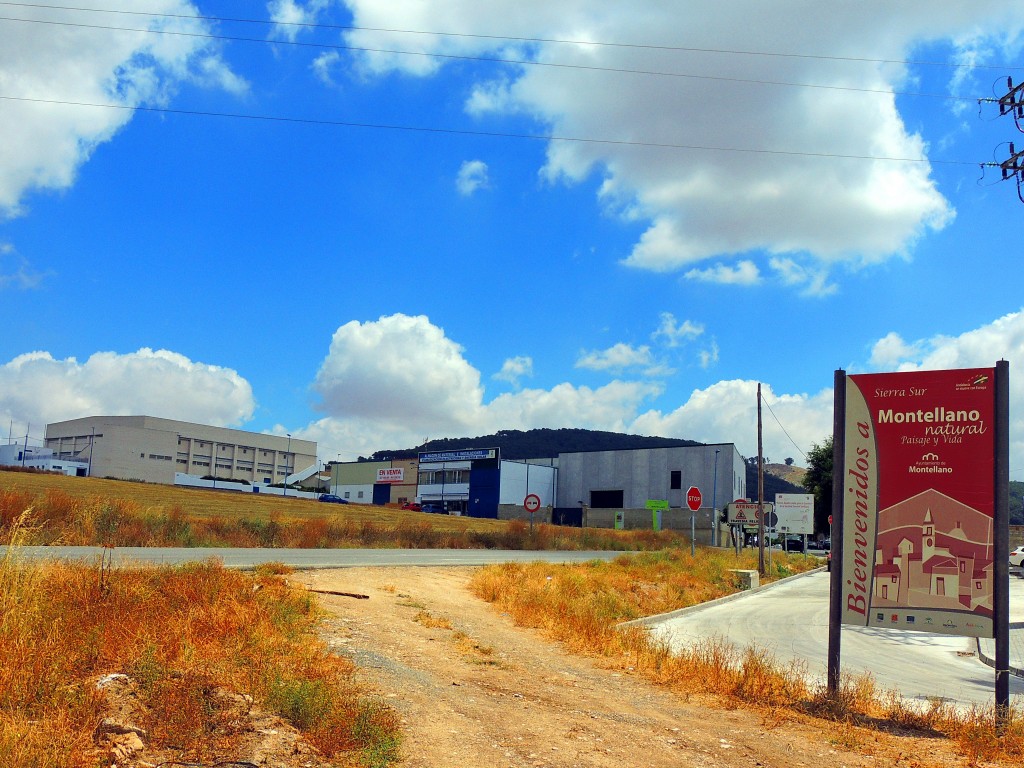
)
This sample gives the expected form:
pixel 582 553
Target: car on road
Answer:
pixel 330 498
pixel 1017 556
pixel 436 509
pixel 412 506
pixel 794 544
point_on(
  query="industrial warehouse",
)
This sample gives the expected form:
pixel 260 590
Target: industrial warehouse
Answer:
pixel 604 488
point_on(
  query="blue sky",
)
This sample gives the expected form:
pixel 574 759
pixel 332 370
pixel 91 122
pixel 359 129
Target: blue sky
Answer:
pixel 372 223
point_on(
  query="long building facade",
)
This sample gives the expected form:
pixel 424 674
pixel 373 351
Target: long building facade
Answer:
pixel 153 449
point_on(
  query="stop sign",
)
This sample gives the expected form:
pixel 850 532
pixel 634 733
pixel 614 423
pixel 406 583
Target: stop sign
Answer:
pixel 693 498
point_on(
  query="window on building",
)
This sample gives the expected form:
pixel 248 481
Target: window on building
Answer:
pixel 606 499
pixel 360 495
pixel 675 480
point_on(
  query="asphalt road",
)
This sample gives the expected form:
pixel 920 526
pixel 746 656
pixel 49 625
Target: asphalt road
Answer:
pixel 309 558
pixel 790 621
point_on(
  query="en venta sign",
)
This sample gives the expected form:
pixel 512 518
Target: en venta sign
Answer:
pixel 919 501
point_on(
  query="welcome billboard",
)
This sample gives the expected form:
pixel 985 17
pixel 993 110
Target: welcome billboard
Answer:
pixel 919 501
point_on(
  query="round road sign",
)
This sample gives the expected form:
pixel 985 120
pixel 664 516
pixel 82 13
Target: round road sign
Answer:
pixel 531 503
pixel 693 498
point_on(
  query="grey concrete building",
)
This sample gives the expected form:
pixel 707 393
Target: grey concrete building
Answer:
pixel 154 449
pixel 605 482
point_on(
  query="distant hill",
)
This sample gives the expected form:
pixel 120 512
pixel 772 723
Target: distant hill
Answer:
pixel 537 443
pixel 778 478
pixel 516 445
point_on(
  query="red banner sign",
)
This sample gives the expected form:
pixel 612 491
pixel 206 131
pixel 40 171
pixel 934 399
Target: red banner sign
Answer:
pixel 919 501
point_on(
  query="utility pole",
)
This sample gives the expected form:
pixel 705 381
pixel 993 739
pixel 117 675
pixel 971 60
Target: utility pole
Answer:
pixel 760 490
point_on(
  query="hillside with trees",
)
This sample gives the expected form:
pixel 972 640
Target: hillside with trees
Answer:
pixel 773 483
pixel 516 445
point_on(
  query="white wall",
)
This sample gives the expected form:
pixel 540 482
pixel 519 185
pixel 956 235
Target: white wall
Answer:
pixel 518 480
pixel 351 492
pixel 191 481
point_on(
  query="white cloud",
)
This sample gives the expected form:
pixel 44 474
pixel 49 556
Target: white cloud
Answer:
pixel 290 16
pixel 45 143
pixel 705 203
pixel 814 280
pixel 674 332
pixel 616 358
pixel 514 369
pixel 16 271
pixel 399 379
pixel 37 388
pixel 743 273
pixel 891 350
pixel 727 412
pixel 399 370
pixel 393 382
pixel 473 175
pixel 709 356
pixel 1002 339
pixel 323 65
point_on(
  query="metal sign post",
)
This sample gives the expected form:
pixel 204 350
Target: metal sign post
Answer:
pixel 531 504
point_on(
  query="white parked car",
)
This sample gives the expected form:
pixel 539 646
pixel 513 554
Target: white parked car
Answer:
pixel 1017 556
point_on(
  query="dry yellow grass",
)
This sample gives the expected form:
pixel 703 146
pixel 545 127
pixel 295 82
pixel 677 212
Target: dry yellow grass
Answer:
pixel 183 636
pixel 89 511
pixel 582 606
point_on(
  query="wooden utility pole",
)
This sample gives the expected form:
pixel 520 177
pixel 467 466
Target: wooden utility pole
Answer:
pixel 760 490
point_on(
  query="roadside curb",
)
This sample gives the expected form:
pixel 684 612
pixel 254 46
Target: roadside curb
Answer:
pixel 648 621
pixel 988 660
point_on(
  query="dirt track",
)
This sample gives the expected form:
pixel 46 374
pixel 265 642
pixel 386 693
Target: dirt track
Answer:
pixel 474 691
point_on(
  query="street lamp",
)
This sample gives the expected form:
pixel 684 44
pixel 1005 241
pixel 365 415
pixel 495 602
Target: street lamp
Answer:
pixel 286 464
pixel 714 499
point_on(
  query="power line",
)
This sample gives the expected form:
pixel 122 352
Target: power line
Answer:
pixel 485 134
pixel 488 59
pixel 513 38
pixel 765 401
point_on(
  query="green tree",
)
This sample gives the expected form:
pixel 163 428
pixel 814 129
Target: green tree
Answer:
pixel 818 481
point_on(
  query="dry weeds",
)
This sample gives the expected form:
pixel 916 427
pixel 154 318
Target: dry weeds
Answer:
pixel 200 645
pixel 94 512
pixel 581 606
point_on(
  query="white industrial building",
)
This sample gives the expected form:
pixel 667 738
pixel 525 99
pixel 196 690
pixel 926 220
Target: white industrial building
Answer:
pixel 155 450
pixel 29 457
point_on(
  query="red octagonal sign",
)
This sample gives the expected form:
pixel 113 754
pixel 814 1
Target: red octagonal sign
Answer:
pixel 693 498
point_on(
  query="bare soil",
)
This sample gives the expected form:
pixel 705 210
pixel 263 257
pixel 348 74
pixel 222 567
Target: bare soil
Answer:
pixel 475 691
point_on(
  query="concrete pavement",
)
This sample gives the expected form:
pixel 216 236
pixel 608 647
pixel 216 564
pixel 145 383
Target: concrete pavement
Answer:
pixel 789 621
pixel 987 645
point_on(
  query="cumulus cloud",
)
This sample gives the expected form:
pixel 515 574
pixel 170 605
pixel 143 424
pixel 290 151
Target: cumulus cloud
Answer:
pixel 383 381
pixel 473 175
pixel 891 350
pixel 399 379
pixel 768 167
pixel 727 412
pixel 45 143
pixel 515 368
pixel 1002 339
pixel 399 370
pixel 37 388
